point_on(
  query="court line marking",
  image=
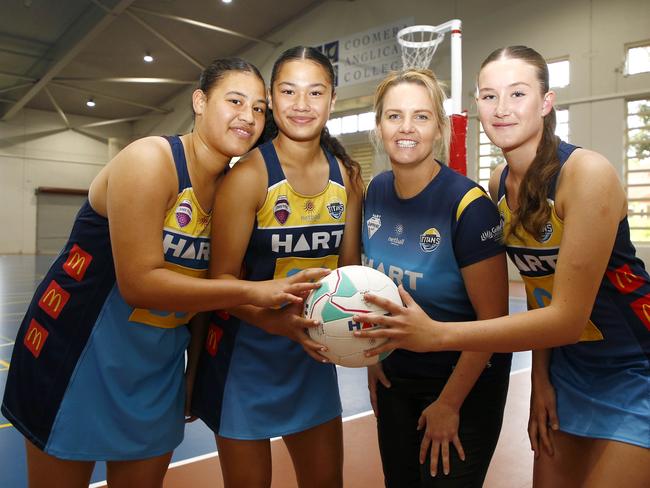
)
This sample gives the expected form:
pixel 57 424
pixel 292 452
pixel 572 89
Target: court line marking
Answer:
pixel 4 364
pixel 212 454
pixel 8 344
pixel 4 426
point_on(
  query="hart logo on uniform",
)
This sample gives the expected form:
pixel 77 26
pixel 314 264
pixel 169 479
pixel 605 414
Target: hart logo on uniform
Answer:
pixel 77 263
pixel 373 223
pixel 213 339
pixel 54 299
pixel 530 263
pixel 335 209
pixel 317 240
pixel 184 213
pixel 547 232
pixel 35 338
pixel 281 209
pixel 430 240
pixel 398 275
pixel 180 247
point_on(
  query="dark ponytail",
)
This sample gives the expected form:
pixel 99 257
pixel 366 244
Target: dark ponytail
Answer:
pixel 327 141
pixel 533 210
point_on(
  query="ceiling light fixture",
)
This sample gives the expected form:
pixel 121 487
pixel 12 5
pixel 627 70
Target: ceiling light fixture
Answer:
pixel 90 103
pixel 226 1
pixel 148 58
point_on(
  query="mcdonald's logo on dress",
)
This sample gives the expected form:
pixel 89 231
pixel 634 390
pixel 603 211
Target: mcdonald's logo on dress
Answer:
pixel 77 263
pixel 35 338
pixel 213 339
pixel 641 308
pixel 624 279
pixel 54 299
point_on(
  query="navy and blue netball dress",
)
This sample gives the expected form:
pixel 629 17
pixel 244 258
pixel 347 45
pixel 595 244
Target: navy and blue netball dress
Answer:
pixel 603 381
pixel 91 377
pixel 254 385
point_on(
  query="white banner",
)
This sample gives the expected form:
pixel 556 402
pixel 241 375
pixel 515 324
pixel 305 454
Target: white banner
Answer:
pixel 366 56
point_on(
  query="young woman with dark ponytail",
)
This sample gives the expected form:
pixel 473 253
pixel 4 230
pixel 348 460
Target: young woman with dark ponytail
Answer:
pixel 566 229
pixel 292 203
pixel 97 367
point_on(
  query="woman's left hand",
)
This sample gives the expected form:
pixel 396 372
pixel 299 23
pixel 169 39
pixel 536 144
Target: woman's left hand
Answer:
pixel 407 326
pixel 440 422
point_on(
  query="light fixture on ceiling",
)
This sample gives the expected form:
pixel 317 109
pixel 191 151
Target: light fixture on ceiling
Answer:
pixel 90 103
pixel 147 58
pixel 226 1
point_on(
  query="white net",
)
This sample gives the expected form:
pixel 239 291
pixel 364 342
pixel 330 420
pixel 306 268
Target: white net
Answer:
pixel 419 44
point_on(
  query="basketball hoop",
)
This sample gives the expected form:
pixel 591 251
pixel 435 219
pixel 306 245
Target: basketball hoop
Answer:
pixel 419 44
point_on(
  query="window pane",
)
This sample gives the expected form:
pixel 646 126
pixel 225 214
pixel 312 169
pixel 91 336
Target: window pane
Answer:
pixel 635 163
pixel 639 192
pixel 634 106
pixel 349 124
pixel 483 138
pixel 636 178
pixel 558 73
pixel 485 149
pixel 334 126
pixel 638 60
pixel 562 116
pixel 484 173
pixel 562 131
pixel 366 121
pixel 635 121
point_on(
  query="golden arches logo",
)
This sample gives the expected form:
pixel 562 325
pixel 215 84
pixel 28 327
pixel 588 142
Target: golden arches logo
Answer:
pixel 52 295
pixel 624 280
pixel 645 307
pixel 77 261
pixel 54 299
pixel 213 339
pixel 35 338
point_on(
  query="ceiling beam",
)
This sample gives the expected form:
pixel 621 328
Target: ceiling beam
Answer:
pixel 171 81
pixel 57 107
pixel 70 44
pixel 110 97
pixel 164 39
pixel 18 77
pixel 15 87
pixel 102 123
pixel 204 25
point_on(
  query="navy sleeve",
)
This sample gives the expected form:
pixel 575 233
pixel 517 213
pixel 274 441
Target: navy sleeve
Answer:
pixel 478 233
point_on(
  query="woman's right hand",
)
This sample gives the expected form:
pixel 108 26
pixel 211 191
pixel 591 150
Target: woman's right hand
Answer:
pixel 375 374
pixel 543 416
pixel 289 321
pixel 278 292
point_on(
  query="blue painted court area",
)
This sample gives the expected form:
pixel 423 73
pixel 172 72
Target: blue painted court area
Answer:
pixel 19 276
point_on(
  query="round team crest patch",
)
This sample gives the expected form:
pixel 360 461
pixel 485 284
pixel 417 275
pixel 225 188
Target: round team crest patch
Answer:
pixel 547 232
pixel 184 213
pixel 281 209
pixel 430 240
pixel 335 209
